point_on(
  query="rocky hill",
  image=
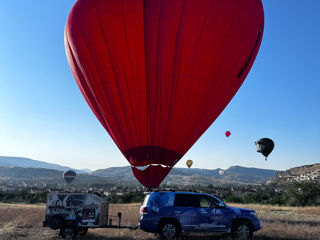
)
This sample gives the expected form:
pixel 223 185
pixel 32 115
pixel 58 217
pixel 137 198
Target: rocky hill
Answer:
pixel 297 174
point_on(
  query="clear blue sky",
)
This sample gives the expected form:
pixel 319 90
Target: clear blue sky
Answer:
pixel 43 115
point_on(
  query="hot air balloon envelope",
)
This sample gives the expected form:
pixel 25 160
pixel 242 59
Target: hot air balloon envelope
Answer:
pixel 157 73
pixel 264 146
pixel 69 176
pixel 221 172
pixel 189 163
pixel 227 133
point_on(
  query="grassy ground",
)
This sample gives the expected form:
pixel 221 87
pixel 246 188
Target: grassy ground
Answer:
pixel 24 221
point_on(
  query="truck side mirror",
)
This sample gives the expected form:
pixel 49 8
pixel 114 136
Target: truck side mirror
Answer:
pixel 221 205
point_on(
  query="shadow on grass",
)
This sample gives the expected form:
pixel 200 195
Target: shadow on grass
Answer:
pixel 279 238
pixel 91 236
pixel 293 222
pixel 155 237
pixel 230 238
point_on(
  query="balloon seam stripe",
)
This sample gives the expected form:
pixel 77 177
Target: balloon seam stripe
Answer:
pixel 157 79
pixel 113 70
pixel 130 63
pixel 196 46
pixel 174 69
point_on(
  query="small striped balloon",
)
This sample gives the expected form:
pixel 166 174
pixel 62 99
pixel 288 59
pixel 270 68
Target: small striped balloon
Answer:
pixel 69 176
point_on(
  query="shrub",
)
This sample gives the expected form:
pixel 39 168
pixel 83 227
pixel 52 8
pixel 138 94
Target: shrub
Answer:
pixel 302 194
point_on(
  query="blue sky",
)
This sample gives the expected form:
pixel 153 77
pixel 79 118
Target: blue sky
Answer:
pixel 43 116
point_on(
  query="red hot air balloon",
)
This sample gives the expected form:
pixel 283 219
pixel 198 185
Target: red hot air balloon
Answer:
pixel 227 133
pixel 157 73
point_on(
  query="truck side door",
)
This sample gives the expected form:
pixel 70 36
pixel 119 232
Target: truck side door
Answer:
pixel 186 210
pixel 213 217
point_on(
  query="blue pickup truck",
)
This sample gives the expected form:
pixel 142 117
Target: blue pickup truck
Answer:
pixel 172 213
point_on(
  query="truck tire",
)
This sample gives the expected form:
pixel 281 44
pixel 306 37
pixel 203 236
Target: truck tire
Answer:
pixel 168 229
pixel 242 230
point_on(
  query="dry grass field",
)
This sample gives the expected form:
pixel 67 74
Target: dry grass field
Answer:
pixel 24 221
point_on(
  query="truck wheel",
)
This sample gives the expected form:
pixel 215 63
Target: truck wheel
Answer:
pixel 68 231
pixel 168 229
pixel 82 231
pixel 242 231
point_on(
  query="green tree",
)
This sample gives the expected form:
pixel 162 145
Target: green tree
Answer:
pixel 302 194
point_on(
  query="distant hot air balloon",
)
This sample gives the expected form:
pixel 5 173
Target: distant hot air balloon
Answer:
pixel 221 172
pixel 265 146
pixel 157 73
pixel 227 133
pixel 189 163
pixel 69 176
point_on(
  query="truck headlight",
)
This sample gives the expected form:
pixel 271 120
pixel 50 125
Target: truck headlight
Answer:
pixel 254 213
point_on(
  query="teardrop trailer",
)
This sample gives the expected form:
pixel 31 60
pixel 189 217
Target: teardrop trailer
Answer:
pixel 75 213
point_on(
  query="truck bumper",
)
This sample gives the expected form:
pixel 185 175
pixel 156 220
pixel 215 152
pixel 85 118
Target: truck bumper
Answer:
pixel 148 226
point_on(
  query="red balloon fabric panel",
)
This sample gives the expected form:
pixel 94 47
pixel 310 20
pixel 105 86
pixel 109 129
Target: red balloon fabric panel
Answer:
pixel 157 73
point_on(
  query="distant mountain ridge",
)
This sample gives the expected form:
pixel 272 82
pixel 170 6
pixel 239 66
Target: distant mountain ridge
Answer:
pixel 18 176
pixel 30 163
pixel 32 172
pixel 191 176
pixel 25 169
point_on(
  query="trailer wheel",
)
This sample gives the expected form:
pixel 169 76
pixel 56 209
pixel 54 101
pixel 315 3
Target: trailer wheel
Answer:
pixel 82 231
pixel 68 231
pixel 55 222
